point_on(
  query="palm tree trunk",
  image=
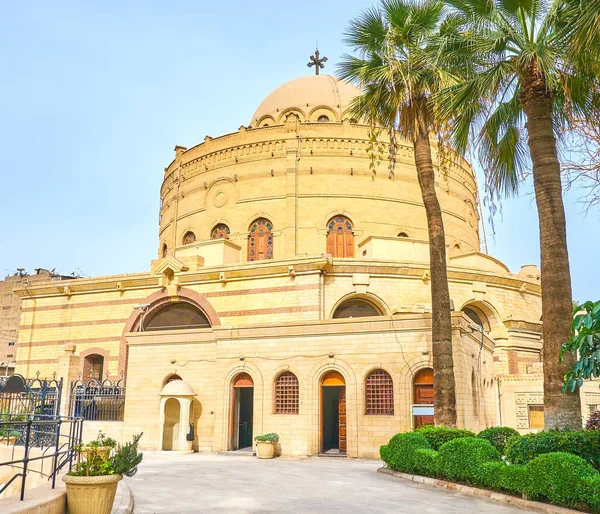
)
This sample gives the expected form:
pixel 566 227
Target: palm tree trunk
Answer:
pixel 560 410
pixel 444 387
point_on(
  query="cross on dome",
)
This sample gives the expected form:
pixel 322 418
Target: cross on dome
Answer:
pixel 317 62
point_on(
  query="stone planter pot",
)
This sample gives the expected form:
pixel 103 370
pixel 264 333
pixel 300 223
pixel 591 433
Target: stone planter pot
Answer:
pixel 91 495
pixel 265 450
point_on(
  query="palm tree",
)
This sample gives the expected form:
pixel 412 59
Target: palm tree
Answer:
pixel 394 70
pixel 524 87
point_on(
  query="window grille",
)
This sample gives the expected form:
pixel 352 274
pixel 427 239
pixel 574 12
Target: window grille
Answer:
pixel 380 393
pixel 287 394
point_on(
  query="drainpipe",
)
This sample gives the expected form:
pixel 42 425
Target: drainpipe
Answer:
pixel 499 402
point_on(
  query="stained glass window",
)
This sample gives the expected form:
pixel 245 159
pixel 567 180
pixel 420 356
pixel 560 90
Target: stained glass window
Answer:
pixel 260 240
pixel 189 238
pixel 380 393
pixel 323 118
pixel 287 394
pixel 221 231
pixel 340 237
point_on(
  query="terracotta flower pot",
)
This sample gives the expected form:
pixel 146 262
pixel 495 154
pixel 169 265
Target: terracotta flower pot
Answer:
pixel 265 450
pixel 91 495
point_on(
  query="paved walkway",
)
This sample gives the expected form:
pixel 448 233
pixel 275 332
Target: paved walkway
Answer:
pixel 170 484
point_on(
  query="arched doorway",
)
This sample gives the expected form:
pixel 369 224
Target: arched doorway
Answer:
pixel 171 427
pixel 423 394
pixel 242 409
pixel 333 413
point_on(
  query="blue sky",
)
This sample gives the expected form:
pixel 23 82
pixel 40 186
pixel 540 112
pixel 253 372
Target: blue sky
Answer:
pixel 95 95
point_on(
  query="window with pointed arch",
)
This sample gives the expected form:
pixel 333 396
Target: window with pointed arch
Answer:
pixel 260 240
pixel 379 393
pixel 189 238
pixel 221 231
pixel 340 237
pixel 287 393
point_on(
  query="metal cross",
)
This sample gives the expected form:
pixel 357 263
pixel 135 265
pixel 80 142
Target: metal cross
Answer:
pixel 317 62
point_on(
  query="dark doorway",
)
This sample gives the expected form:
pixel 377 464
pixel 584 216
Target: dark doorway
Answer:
pixel 333 413
pixel 243 412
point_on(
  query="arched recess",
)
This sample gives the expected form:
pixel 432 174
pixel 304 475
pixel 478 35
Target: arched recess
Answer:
pixel 93 364
pixel 359 306
pixel 266 120
pixel 488 316
pixel 170 441
pixel 322 110
pixel 291 110
pixel 175 316
pixel 157 300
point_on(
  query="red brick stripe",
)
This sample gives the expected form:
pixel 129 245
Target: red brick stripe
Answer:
pixel 74 341
pixel 273 310
pixel 74 324
pixel 84 305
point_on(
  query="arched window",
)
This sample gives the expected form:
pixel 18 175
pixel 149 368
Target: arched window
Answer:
pixel 356 308
pixel 260 240
pixel 176 316
pixel 189 238
pixel 379 393
pixel 221 231
pixel 164 251
pixel 477 317
pixel 93 367
pixel 340 237
pixel 287 394
pixel 323 118
pixel 402 234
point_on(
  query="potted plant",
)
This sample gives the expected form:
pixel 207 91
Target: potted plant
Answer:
pixel 10 433
pixel 265 445
pixel 101 464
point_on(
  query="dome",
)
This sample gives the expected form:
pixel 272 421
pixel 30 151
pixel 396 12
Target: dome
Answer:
pixel 306 95
pixel 177 388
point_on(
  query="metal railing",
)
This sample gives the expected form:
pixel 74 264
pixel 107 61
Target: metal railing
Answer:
pixel 21 395
pixel 98 401
pixel 55 437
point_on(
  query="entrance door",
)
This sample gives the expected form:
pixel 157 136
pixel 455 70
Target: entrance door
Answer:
pixel 423 394
pixel 242 412
pixel 333 413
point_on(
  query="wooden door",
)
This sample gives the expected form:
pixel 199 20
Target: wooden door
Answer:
pixel 342 421
pixel 423 394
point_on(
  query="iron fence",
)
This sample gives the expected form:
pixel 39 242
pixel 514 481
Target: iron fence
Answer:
pixel 19 395
pixel 98 401
pixel 54 437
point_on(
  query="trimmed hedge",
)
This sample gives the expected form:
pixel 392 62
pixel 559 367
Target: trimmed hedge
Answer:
pixel 560 477
pixel 461 459
pixel 583 443
pixel 438 436
pixel 498 436
pixel 399 453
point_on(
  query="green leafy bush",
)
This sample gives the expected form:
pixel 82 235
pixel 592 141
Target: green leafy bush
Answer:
pixel 498 436
pixel 499 476
pixel 520 450
pixel 560 477
pixel 583 443
pixel 100 458
pixel 591 490
pixel 438 436
pixel 461 459
pixel 267 438
pixel 426 462
pixel 399 453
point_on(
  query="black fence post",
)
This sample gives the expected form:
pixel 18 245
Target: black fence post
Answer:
pixel 26 457
pixel 56 448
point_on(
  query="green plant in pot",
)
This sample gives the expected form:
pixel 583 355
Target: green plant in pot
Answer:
pixel 265 445
pixel 101 464
pixel 10 433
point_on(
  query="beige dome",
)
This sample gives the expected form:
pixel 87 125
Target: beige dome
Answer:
pixel 309 97
pixel 177 388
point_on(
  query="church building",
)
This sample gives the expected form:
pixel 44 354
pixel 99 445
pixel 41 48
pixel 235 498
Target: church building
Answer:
pixel 290 293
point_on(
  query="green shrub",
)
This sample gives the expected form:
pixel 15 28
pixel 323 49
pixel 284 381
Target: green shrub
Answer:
pixel 426 462
pixel 438 436
pixel 399 453
pixel 461 459
pixel 520 450
pixel 560 477
pixel 498 436
pixel 591 487
pixel 583 443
